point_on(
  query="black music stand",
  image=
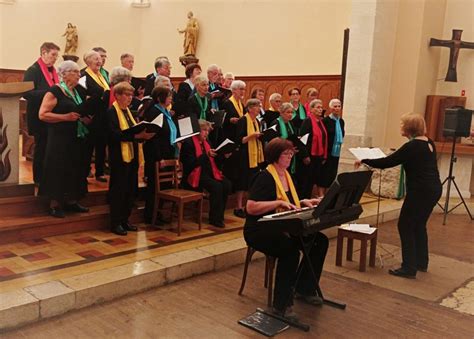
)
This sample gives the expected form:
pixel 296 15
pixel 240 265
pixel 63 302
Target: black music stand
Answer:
pixel 339 205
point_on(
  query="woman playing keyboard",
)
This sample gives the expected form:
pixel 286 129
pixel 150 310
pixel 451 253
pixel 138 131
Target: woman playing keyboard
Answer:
pixel 273 191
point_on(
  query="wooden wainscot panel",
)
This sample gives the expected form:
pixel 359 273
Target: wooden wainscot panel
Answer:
pixel 11 75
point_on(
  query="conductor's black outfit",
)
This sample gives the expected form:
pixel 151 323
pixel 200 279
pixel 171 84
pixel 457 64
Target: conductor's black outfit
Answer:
pixel 418 158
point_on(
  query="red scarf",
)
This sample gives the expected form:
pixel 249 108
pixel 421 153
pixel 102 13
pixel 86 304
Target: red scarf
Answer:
pixel 111 96
pixel 195 175
pixel 320 137
pixel 306 108
pixel 47 74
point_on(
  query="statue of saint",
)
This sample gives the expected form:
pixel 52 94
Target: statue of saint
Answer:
pixel 191 33
pixel 71 39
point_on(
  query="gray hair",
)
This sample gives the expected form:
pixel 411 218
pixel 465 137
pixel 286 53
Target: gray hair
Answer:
pixel 274 96
pixel 333 102
pixel 285 107
pixel 236 84
pixel 119 74
pixel 314 102
pixel 126 55
pixel 89 55
pixel 253 103
pixel 212 67
pixel 199 79
pixel 229 75
pixel 67 66
pixel 161 62
pixel 204 123
pixel 162 81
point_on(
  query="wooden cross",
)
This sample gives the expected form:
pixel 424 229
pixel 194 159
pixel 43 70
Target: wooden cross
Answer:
pixel 455 44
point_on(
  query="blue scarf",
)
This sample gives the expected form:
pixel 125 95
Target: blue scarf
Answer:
pixel 214 103
pixel 338 139
pixel 173 129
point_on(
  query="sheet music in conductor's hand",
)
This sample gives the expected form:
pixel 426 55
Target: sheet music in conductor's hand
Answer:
pixel 367 153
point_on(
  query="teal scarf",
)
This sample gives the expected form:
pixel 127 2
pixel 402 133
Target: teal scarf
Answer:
pixel 82 130
pixel 203 103
pixel 173 129
pixel 338 138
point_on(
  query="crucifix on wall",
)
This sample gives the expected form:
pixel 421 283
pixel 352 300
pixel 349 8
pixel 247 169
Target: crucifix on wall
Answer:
pixel 454 45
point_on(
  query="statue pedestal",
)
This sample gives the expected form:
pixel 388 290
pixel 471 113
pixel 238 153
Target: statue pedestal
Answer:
pixel 10 94
pixel 70 57
pixel 188 59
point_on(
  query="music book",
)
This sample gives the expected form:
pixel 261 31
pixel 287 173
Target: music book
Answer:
pixel 367 153
pixel 150 126
pixel 218 118
pixel 270 116
pixel 187 127
pixel 264 324
pixel 82 82
pixel 270 133
pixel 227 146
pixel 299 142
pixel 359 228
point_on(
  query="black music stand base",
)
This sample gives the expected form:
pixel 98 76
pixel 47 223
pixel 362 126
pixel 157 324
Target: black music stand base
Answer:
pixel 291 322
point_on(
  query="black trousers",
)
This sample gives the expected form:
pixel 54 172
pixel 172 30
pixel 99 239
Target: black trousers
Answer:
pixel 304 179
pixel 218 193
pixel 414 215
pixel 123 189
pixel 287 250
pixel 41 140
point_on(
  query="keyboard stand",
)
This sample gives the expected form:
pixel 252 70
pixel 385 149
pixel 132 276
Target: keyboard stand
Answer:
pixel 306 259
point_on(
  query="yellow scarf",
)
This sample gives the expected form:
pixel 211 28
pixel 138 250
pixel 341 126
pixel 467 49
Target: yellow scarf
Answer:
pixel 127 146
pixel 280 192
pixel 238 106
pixel 254 145
pixel 98 78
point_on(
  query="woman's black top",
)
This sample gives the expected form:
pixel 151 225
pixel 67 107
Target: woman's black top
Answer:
pixel 330 125
pixel 263 188
pixel 116 136
pixel 180 105
pixel 418 161
pixel 158 147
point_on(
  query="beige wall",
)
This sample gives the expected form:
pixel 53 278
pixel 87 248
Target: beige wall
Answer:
pixel 259 37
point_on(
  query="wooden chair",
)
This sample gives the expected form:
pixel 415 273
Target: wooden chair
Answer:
pixel 269 268
pixel 167 171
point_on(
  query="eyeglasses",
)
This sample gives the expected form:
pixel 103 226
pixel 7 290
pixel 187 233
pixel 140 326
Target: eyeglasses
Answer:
pixel 288 153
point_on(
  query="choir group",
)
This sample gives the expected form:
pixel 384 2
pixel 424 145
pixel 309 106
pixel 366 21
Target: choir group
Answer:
pixel 77 116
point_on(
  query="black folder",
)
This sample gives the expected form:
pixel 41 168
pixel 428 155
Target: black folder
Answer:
pixel 270 133
pixel 187 127
pixel 227 146
pixel 217 118
pixel 264 324
pixel 297 142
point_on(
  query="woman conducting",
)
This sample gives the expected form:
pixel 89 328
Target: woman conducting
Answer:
pixel 418 157
pixel 273 191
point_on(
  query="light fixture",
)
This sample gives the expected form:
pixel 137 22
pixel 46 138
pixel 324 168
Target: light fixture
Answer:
pixel 141 3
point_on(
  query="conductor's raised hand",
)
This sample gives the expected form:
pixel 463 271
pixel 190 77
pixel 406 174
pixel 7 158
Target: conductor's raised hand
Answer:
pixel 357 164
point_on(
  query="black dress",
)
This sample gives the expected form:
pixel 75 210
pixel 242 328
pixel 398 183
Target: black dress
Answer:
pixel 231 167
pixel 283 247
pixel 65 164
pixel 312 174
pixel 423 191
pixel 180 105
pixel 36 127
pixel 329 170
pixel 123 184
pixel 157 148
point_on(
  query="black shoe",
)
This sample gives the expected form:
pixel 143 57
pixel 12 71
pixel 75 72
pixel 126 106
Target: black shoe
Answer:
pixel 101 179
pixel 240 213
pixel 129 227
pixel 314 300
pixel 219 224
pixel 119 230
pixel 56 212
pixel 422 269
pixel 401 272
pixel 76 207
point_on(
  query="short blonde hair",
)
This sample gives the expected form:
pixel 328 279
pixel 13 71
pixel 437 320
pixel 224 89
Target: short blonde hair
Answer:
pixel 312 91
pixel 123 87
pixel 413 125
pixel 204 124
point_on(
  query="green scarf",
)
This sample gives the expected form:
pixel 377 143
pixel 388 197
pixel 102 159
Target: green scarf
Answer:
pixel 300 111
pixel 202 105
pixel 105 75
pixel 82 130
pixel 284 135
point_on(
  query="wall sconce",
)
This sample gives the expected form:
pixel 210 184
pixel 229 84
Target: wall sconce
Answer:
pixel 141 3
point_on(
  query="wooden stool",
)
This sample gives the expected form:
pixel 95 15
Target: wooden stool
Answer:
pixel 363 237
pixel 269 267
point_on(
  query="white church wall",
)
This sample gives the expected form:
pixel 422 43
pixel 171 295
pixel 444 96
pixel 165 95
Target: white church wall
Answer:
pixel 288 37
